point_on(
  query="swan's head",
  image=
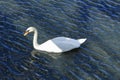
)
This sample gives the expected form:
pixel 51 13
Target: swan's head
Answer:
pixel 29 30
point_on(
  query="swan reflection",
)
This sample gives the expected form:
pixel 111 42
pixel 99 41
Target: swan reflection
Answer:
pixel 36 53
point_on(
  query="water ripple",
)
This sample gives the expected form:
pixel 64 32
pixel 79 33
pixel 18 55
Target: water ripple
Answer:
pixel 97 59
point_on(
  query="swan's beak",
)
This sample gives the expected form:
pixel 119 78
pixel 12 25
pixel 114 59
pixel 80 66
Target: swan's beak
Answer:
pixel 26 32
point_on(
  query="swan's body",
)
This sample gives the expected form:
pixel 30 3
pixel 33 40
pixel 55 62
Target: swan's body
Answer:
pixel 56 45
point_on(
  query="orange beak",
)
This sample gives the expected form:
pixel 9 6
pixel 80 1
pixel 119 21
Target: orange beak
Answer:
pixel 26 32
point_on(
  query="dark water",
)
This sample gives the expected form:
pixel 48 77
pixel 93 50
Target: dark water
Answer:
pixel 97 59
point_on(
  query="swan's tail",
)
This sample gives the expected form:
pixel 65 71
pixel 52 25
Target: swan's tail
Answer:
pixel 82 40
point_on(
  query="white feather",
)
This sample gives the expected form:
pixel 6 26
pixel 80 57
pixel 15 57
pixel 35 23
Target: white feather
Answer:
pixel 56 45
pixel 82 40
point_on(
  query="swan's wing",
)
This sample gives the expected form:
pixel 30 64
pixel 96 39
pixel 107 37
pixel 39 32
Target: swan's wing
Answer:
pixel 60 44
pixel 67 45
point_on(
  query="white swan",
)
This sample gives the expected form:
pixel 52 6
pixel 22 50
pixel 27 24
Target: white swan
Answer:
pixel 55 45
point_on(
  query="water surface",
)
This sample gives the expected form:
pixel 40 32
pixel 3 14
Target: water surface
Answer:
pixel 97 20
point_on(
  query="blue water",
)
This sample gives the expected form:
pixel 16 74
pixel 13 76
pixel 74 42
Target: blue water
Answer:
pixel 97 20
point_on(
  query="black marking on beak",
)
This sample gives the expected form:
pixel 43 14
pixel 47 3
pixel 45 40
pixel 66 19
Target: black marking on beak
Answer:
pixel 26 32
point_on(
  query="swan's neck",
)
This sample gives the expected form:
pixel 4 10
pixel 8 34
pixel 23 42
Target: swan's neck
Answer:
pixel 35 43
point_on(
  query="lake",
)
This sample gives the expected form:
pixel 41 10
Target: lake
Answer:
pixel 97 20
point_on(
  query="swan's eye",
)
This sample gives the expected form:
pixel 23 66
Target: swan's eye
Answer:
pixel 28 31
